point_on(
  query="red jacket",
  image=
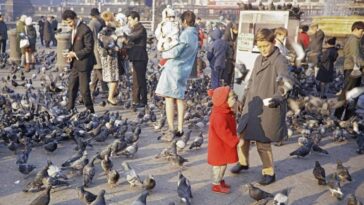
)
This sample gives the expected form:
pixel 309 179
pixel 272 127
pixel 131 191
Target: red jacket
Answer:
pixel 303 39
pixel 222 136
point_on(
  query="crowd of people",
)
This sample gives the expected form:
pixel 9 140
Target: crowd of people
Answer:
pixel 102 51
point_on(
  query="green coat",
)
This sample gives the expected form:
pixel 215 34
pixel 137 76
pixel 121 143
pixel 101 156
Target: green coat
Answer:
pixel 258 122
pixel 20 28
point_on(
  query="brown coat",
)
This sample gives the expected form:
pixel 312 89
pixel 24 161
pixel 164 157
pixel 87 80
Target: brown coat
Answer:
pixel 259 122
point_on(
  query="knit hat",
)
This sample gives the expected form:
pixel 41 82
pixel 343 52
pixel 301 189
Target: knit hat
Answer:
pixel 168 11
pixel 331 41
pixel 95 12
pixel 28 21
pixel 219 95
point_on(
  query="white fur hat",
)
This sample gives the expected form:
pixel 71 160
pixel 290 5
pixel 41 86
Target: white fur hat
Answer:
pixel 168 11
pixel 28 21
pixel 22 18
pixel 121 18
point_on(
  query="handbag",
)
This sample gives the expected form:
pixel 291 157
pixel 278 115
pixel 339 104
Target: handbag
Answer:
pixel 24 42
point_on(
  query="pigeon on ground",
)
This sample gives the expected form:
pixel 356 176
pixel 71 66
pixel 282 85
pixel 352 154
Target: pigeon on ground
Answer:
pixel 100 199
pixel 51 146
pixel 130 150
pixel 177 159
pixel 149 182
pixel 106 164
pixel 184 189
pixel 303 150
pixel 142 199
pixel 360 143
pixel 319 173
pixel 73 158
pixel 88 172
pixel 85 196
pixel 281 198
pixel 317 148
pixel 257 194
pixel 112 177
pixel 342 172
pixel 44 198
pixel 181 143
pixel 131 176
pixel 334 186
pixel 197 142
pixel 26 168
pixel 352 200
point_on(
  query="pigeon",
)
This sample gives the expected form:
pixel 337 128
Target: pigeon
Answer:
pixel 100 199
pixel 360 143
pixel 26 168
pixel 112 177
pixel 51 146
pixel 303 150
pixel 317 148
pixel 257 194
pixel 352 200
pixel 333 184
pixel 44 198
pixel 131 176
pixel 184 189
pixel 106 164
pixel 342 172
pixel 130 150
pixel 54 182
pixel 89 172
pixel 142 199
pixel 160 124
pixel 149 182
pixel 37 182
pixel 73 158
pixel 85 196
pixel 281 198
pixel 319 173
pixel 177 159
pixel 197 142
pixel 23 156
pixel 181 144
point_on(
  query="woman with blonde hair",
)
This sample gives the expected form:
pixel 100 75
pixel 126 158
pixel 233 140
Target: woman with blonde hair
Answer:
pixel 108 52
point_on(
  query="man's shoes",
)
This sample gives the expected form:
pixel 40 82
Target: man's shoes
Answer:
pixel 267 179
pixel 223 184
pixel 238 168
pixel 220 189
pixel 179 134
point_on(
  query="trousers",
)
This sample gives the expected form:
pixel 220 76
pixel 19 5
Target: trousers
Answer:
pixel 218 173
pixel 79 80
pixel 265 154
pixel 139 82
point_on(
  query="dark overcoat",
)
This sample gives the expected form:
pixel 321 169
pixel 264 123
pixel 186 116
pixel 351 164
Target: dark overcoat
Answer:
pixel 261 123
pixel 137 43
pixel 326 65
pixel 47 31
pixel 83 46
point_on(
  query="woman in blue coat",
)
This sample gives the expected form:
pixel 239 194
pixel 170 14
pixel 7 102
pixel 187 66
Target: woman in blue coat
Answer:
pixel 173 80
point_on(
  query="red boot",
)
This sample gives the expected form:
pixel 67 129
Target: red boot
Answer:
pixel 220 189
pixel 222 183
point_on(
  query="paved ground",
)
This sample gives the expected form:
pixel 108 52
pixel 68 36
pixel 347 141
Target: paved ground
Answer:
pixel 292 173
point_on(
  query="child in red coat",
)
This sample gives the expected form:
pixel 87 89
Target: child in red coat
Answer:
pixel 222 136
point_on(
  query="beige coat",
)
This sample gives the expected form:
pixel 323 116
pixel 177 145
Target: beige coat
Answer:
pixel 259 122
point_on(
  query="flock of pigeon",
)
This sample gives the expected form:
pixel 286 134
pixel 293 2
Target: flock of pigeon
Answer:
pixel 34 117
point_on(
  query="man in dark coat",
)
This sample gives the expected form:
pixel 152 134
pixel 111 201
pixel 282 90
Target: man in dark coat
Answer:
pixel 314 49
pixel 96 25
pixel 81 58
pixel 231 36
pixel 217 57
pixel 54 26
pixel 137 53
pixel 263 123
pixel 3 35
pixel 351 57
pixel 41 29
pixel 47 32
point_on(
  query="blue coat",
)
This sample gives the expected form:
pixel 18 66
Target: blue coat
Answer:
pixel 218 52
pixel 181 58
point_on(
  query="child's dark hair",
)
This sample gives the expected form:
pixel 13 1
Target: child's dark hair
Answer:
pixel 134 15
pixel 357 25
pixel 69 14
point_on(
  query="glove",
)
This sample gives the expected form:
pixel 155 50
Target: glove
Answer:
pixel 274 103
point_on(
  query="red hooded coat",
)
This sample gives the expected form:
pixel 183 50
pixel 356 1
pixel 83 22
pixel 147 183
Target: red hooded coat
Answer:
pixel 222 131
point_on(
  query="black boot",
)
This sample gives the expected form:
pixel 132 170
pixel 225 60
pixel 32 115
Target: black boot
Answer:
pixel 238 168
pixel 267 179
